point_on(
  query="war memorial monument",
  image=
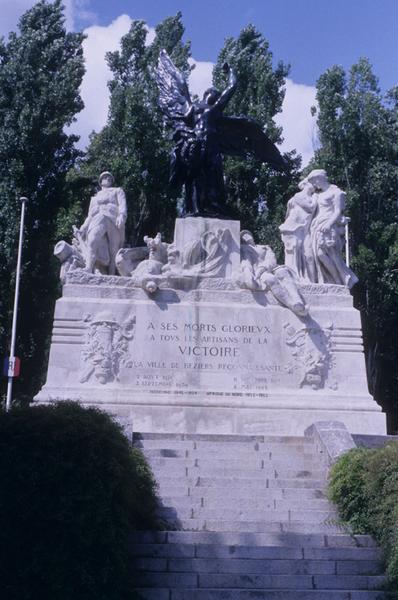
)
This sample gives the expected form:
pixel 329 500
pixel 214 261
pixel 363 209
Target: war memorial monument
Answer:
pixel 241 379
pixel 206 333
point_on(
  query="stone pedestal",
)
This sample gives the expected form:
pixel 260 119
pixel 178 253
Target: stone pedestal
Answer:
pixel 193 228
pixel 210 358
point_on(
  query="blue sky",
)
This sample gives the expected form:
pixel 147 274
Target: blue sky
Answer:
pixel 311 35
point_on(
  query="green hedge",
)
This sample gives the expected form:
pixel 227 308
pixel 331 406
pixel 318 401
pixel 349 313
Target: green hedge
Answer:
pixel 364 485
pixel 71 490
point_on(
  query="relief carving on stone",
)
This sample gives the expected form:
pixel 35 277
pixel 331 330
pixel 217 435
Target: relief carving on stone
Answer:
pixel 160 262
pixel 106 347
pixel 207 256
pixel 311 354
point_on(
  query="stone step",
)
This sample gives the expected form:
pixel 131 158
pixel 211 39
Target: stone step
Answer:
pixel 246 493
pixel 259 473
pixel 255 581
pixel 224 455
pixel 236 514
pixel 295 582
pixel 209 551
pixel 238 483
pixel 272 566
pixel 267 502
pixel 241 493
pixel 249 462
pixel 319 540
pixel 234 482
pixel 257 524
pixel 201 524
pixel 229 449
pixel 239 594
pixel 223 438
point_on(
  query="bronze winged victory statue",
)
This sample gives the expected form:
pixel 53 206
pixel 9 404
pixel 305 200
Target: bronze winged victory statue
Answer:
pixel 202 134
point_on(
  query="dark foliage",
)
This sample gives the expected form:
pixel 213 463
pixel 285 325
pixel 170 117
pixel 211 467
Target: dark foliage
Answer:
pixel 134 145
pixel 358 129
pixel 41 69
pixel 257 195
pixel 72 490
pixel 364 485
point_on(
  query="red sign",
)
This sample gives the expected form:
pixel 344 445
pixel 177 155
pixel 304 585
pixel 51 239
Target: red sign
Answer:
pixel 12 366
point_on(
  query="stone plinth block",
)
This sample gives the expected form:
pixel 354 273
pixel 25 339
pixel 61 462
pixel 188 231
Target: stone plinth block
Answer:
pixel 194 233
pixel 212 359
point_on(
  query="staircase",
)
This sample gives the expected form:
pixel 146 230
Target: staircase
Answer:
pixel 247 518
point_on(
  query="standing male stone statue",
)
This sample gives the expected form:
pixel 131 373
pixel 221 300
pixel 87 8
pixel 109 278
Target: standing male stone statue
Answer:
pixel 102 233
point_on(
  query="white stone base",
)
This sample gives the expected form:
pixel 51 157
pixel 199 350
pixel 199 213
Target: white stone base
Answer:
pixel 211 359
pixel 286 419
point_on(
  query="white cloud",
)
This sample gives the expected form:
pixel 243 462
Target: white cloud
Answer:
pixel 299 126
pixel 94 89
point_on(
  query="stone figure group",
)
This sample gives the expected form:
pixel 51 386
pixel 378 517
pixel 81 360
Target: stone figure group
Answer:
pixel 313 232
pixel 313 236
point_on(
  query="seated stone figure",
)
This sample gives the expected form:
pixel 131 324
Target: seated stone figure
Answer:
pixel 102 233
pixel 260 271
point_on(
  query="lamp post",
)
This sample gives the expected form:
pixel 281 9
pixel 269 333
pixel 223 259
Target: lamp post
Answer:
pixel 12 361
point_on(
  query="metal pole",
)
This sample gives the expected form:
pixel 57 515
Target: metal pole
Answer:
pixel 14 316
pixel 347 241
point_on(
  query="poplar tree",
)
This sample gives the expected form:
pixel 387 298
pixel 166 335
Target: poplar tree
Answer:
pixel 134 144
pixel 41 69
pixel 257 195
pixel 358 129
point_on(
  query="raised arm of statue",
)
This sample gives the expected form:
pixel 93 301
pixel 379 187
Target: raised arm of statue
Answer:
pixel 229 91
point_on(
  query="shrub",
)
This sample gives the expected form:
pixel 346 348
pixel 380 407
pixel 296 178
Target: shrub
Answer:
pixel 71 491
pixel 364 485
pixel 347 489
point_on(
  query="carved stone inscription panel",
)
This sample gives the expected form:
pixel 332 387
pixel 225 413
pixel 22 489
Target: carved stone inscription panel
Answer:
pixel 218 350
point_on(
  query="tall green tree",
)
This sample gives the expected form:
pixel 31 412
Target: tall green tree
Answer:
pixel 256 194
pixel 358 130
pixel 134 144
pixel 41 69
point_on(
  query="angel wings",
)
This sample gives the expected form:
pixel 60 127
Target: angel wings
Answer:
pixel 201 134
